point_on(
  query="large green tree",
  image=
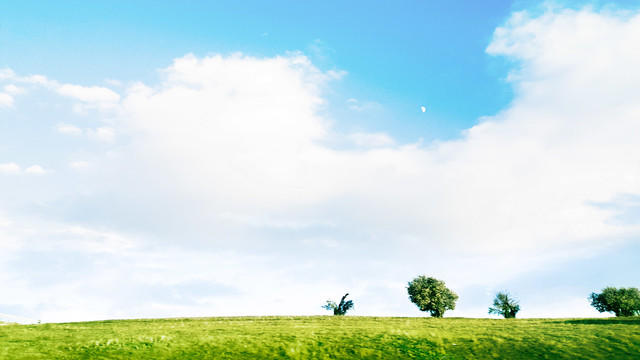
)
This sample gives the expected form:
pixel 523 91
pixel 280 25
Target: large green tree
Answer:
pixel 504 304
pixel 621 302
pixel 430 294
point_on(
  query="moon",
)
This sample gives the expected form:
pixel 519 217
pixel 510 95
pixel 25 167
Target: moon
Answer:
pixel 423 108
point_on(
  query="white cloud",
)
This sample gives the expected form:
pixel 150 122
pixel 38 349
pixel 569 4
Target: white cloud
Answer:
pixel 35 169
pixel 524 180
pixel 360 106
pixel 68 129
pixel 569 130
pixel 6 100
pixel 14 90
pixel 9 74
pixel 89 94
pixel 13 168
pixel 93 97
pixel 113 82
pixel 10 168
pixel 105 134
pixel 241 125
pixel 337 74
pixel 371 139
pixel 6 73
pixel 37 80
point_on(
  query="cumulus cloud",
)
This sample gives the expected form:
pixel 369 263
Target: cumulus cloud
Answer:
pixel 244 136
pixel 35 169
pixel 572 121
pixel 244 127
pixel 10 168
pixel 242 133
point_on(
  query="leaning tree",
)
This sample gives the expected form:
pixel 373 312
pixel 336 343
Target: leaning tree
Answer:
pixel 341 308
pixel 430 294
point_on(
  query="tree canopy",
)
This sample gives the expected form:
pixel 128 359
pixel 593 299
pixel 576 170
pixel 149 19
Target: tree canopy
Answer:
pixel 430 294
pixel 621 302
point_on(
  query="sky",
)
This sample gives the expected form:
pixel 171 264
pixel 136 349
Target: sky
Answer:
pixel 193 158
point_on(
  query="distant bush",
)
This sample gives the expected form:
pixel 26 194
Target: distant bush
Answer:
pixel 505 305
pixel 621 302
pixel 341 308
pixel 430 294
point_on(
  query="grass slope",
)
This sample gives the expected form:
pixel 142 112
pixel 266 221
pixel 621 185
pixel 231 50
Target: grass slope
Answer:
pixel 325 337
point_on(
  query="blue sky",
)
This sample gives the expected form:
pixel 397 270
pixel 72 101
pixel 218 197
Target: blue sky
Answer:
pixel 194 158
pixel 412 53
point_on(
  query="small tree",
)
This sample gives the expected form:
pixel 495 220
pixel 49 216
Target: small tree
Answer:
pixel 621 302
pixel 505 305
pixel 341 308
pixel 430 294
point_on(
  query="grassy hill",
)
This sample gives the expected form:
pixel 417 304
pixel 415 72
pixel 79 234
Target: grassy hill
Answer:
pixel 326 337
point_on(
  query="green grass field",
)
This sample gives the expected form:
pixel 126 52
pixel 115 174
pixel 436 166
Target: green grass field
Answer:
pixel 326 337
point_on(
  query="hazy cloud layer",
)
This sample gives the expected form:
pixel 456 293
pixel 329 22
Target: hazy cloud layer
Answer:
pixel 214 192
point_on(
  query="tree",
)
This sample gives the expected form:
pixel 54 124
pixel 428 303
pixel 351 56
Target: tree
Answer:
pixel 430 294
pixel 341 308
pixel 505 305
pixel 621 302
